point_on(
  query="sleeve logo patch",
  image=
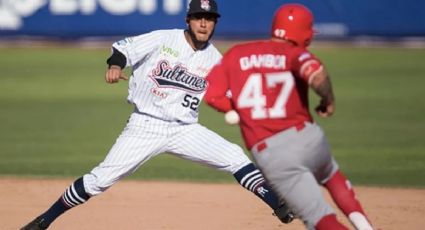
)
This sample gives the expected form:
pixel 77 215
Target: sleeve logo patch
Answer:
pixel 304 56
pixel 125 41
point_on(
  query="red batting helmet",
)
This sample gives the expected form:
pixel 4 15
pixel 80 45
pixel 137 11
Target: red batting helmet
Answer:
pixel 293 22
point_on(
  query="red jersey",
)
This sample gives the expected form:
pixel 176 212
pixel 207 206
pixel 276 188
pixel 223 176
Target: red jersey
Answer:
pixel 268 82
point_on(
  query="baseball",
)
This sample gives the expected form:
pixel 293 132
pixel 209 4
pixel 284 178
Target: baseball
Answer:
pixel 231 117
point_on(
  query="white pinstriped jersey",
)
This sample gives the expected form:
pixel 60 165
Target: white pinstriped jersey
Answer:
pixel 166 86
pixel 168 79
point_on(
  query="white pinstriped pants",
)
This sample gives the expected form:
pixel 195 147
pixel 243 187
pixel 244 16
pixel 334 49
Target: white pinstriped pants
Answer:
pixel 145 137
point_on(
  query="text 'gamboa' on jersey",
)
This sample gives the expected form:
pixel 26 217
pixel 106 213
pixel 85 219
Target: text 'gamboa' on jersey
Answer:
pixel 263 61
pixel 177 77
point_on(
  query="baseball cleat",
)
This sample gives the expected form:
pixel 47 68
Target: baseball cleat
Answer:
pixel 284 214
pixel 36 224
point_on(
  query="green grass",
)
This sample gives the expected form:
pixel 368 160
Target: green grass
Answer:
pixel 379 128
pixel 59 118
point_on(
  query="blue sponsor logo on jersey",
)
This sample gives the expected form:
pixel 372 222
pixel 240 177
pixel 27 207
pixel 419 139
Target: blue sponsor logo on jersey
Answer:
pixel 178 76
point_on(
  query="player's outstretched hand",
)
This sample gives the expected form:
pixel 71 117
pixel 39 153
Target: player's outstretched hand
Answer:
pixel 325 109
pixel 114 73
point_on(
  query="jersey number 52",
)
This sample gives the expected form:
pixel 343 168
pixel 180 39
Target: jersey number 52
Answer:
pixel 252 95
pixel 191 102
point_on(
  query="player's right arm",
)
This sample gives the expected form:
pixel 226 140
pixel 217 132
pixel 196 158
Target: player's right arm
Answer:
pixel 116 63
pixel 129 51
pixel 321 84
pixel 217 88
pixel 311 70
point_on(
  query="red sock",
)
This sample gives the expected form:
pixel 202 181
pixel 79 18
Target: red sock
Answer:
pixel 343 194
pixel 330 222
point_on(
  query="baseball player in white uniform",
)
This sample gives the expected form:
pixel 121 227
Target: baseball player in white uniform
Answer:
pixel 166 88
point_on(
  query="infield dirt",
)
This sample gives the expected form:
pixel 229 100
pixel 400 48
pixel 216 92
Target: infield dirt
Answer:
pixel 187 206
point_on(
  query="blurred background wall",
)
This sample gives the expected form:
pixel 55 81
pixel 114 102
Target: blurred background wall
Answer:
pixel 336 19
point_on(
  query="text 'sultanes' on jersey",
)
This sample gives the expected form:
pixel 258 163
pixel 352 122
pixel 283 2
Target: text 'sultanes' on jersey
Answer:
pixel 268 82
pixel 168 79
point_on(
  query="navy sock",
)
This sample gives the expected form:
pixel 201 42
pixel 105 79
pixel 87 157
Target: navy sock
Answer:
pixel 73 196
pixel 53 212
pixel 252 179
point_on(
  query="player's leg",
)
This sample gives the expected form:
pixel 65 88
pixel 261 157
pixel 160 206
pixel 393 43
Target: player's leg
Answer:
pixel 252 179
pixel 132 149
pixel 284 160
pixel 199 144
pixel 329 222
pixel 300 190
pixel 343 195
pixel 338 186
pixel 74 195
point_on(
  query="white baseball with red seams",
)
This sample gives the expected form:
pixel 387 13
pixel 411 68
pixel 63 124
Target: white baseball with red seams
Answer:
pixel 231 117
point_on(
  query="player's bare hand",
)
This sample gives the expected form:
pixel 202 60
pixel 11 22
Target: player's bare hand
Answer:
pixel 114 73
pixel 325 109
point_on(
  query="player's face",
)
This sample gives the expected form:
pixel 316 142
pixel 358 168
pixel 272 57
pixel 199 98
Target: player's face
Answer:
pixel 202 26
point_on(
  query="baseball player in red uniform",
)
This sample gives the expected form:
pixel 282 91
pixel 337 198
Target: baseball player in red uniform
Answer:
pixel 266 83
pixel 166 88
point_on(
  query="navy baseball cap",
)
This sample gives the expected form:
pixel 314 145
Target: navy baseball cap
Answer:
pixel 203 6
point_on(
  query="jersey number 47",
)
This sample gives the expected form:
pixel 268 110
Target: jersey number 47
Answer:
pixel 252 95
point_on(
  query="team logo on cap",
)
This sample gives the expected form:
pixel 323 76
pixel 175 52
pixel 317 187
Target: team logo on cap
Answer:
pixel 280 33
pixel 205 5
